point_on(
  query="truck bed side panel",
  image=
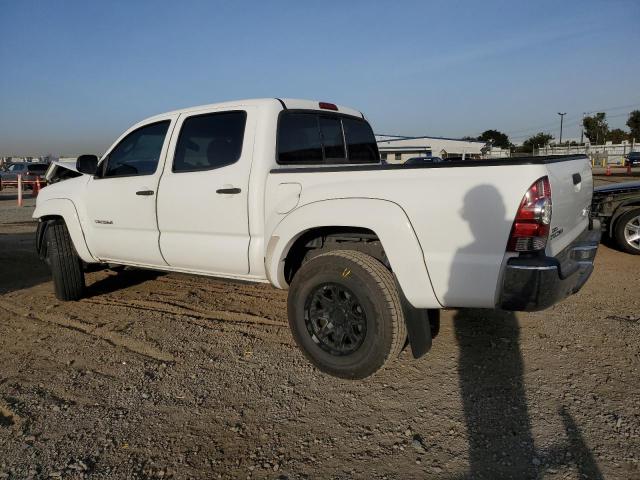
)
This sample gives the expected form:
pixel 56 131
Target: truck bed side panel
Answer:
pixel 462 216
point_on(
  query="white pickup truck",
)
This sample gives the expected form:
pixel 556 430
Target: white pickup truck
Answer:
pixel 292 192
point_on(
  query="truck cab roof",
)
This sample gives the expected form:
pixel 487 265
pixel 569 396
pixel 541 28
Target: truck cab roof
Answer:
pixel 284 103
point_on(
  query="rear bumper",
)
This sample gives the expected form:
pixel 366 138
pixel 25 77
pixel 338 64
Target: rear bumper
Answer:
pixel 536 283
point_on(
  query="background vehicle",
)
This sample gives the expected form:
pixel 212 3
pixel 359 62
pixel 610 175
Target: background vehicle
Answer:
pixel 633 159
pixel 29 171
pixel 618 209
pixel 292 192
pixel 420 160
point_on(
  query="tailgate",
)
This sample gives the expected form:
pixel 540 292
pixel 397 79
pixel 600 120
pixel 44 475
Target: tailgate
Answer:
pixel 571 191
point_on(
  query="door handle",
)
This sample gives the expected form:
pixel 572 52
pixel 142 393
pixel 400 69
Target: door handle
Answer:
pixel 144 192
pixel 232 191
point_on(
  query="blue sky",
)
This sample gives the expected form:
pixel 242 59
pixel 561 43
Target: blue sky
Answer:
pixel 75 74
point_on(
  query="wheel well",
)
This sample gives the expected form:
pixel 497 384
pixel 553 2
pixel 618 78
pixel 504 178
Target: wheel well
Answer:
pixel 46 218
pixel 323 239
pixel 41 246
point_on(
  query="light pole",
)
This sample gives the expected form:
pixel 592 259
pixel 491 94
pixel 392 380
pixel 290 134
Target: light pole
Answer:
pixel 561 119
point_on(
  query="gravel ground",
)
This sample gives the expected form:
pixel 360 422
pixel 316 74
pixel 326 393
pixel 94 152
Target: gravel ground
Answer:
pixel 168 376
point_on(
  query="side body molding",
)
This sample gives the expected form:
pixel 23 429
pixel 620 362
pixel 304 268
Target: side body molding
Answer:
pixel 386 219
pixel 65 208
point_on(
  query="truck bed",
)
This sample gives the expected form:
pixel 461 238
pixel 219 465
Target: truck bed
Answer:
pixel 462 220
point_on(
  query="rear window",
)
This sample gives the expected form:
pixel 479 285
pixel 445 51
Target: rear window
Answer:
pixel 37 168
pixel 361 143
pixel 309 138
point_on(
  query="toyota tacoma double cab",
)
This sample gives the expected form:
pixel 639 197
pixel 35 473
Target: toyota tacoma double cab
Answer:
pixel 293 192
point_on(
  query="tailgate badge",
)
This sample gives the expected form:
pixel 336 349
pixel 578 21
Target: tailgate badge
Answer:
pixel 556 232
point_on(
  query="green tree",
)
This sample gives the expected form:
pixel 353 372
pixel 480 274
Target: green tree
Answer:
pixel 617 135
pixel 596 127
pixel 634 125
pixel 536 141
pixel 497 138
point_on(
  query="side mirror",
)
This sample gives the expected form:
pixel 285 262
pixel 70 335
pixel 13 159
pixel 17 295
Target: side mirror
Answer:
pixel 87 164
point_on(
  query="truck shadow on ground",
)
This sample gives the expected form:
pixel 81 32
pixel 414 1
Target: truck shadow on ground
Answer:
pixel 120 279
pixel 491 371
pixel 20 266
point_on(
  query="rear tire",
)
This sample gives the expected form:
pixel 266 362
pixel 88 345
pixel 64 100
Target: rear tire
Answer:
pixel 345 314
pixel 627 232
pixel 66 266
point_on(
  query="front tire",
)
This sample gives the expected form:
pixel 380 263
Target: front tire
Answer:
pixel 627 231
pixel 66 266
pixel 345 314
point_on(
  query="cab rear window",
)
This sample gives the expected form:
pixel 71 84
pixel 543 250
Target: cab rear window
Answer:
pixel 310 138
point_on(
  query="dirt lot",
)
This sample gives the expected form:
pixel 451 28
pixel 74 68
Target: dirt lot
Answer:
pixel 169 376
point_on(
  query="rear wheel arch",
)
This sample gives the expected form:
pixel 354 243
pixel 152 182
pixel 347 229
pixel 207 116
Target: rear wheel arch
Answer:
pixel 320 240
pixel 376 220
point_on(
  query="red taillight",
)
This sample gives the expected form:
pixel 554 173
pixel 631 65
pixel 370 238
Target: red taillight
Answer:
pixel 328 106
pixel 530 229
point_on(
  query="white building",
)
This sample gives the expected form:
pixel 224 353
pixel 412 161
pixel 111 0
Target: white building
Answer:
pixel 397 149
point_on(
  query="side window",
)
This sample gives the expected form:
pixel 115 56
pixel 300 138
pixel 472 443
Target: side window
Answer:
pixel 332 140
pixel 138 153
pixel 299 139
pixel 210 141
pixel 361 142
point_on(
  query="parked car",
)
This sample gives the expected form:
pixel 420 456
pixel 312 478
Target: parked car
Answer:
pixel 632 159
pixel 421 160
pixel 292 192
pixel 29 171
pixel 617 207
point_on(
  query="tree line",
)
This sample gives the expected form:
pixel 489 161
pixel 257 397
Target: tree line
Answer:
pixel 595 128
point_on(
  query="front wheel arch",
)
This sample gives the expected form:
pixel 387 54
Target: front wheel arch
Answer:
pixel 65 209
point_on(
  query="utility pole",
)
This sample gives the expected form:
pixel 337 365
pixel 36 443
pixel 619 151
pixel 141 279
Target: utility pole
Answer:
pixel 561 119
pixel 582 128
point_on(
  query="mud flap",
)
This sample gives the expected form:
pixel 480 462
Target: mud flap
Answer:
pixel 422 325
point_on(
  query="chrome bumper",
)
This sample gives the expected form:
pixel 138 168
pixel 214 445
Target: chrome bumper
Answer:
pixel 536 283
